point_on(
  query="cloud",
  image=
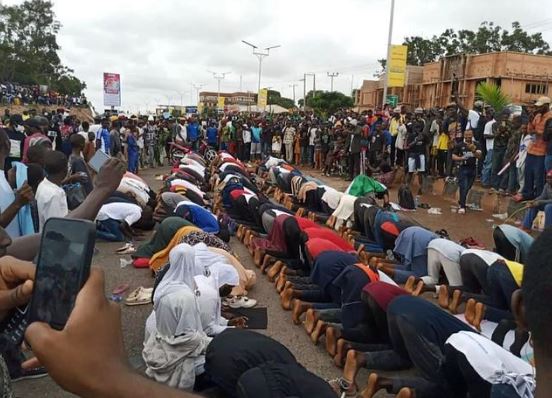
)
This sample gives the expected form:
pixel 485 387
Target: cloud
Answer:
pixel 161 47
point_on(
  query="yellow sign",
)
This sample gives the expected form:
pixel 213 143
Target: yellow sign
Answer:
pixel 220 103
pixel 200 107
pixel 397 66
pixel 262 98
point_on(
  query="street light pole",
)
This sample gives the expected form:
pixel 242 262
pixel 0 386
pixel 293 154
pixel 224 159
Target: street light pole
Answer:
pixel 293 87
pixel 198 87
pixel 389 39
pixel 219 77
pixel 331 76
pixel 260 54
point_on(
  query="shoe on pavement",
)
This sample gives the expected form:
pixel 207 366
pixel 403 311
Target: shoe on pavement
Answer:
pixel 242 302
pixel 33 373
pixel 461 211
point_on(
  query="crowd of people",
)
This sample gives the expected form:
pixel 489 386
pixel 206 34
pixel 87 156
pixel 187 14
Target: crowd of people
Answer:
pixel 350 266
pixel 21 94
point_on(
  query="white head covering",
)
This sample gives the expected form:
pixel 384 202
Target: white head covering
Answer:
pixel 217 265
pixel 177 311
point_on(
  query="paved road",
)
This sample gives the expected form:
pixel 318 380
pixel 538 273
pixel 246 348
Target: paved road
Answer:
pixel 280 326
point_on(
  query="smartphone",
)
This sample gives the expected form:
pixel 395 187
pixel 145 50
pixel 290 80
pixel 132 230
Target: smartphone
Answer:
pixel 63 266
pixel 98 160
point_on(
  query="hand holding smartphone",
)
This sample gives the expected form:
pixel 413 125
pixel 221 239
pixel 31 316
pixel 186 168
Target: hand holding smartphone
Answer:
pixel 98 160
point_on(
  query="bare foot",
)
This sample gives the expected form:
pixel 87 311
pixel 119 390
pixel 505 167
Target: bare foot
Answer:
pixel 286 299
pixel 469 313
pixel 371 387
pixel 332 335
pixel 419 289
pixel 274 270
pixel 299 308
pixel 258 257
pixel 318 331
pixel 343 347
pixel 455 302
pixel 281 282
pixel 311 319
pixel 268 260
pixel 405 393
pixel 443 297
pixel 409 285
pixel 479 315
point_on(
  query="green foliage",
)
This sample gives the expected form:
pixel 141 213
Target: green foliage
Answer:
pixel 327 102
pixel 488 38
pixel 275 98
pixel 492 95
pixel 28 47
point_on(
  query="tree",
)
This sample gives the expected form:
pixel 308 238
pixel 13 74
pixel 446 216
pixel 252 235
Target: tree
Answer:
pixel 327 102
pixel 275 98
pixel 381 71
pixel 492 95
pixel 488 38
pixel 28 47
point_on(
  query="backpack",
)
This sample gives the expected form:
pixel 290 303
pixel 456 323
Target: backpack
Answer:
pixel 406 199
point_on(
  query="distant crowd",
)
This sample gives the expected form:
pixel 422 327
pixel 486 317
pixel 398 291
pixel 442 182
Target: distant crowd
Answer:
pixel 19 94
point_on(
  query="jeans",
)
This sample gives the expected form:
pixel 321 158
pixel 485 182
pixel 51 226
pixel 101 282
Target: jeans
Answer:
pixel 534 177
pixel 521 177
pixel 532 213
pixel 304 154
pixel 109 230
pixel 265 148
pixel 512 179
pixel 150 152
pixel 466 177
pixel 487 168
pixel 498 181
pixel 548 163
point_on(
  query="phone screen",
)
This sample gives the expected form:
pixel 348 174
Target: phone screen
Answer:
pixel 98 160
pixel 63 267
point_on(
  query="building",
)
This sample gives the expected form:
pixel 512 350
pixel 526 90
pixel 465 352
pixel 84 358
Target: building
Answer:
pixel 209 99
pixel 370 94
pixel 522 77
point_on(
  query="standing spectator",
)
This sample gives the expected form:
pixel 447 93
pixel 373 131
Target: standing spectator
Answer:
pixel 51 200
pixel 502 130
pixel 434 132
pixel 193 134
pixel 36 126
pixel 276 146
pixel 377 145
pixel 534 163
pixel 212 136
pixel 312 135
pixel 103 137
pixel 466 154
pixel 246 134
pixel 416 148
pixel 297 148
pixel 394 124
pixel 133 151
pixel 256 132
pixel 318 150
pixel 304 144
pixel 325 139
pixel 150 132
pixel 511 156
pixel 400 144
pixel 266 139
pixel 442 152
pixel 489 141
pixel 524 142
pixel 77 165
pixel 289 135
pixel 115 139
pixel 352 145
pixel 17 140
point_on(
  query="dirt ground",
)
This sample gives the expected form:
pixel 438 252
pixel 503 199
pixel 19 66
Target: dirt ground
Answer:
pixel 280 326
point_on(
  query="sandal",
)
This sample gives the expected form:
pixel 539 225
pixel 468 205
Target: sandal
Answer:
pixel 343 388
pixel 120 289
pixel 139 296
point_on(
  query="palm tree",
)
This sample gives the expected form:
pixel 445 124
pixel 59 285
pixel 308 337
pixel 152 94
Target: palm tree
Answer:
pixel 492 95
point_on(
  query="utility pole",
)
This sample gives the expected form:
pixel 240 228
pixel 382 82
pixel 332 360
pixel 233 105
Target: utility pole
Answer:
pixel 260 54
pixel 331 76
pixel 197 88
pixel 389 39
pixel 352 83
pixel 293 87
pixel 313 83
pixel 219 77
pixel 241 79
pixel 304 80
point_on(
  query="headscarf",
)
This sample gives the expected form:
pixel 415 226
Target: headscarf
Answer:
pixel 165 232
pixel 161 257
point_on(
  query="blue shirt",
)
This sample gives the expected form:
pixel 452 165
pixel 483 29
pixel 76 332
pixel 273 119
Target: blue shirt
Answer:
pixel 256 134
pixel 105 140
pixel 212 135
pixel 193 131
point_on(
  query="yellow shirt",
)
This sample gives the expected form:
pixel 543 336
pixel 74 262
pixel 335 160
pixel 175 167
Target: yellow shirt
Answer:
pixel 394 126
pixel 516 269
pixel 442 143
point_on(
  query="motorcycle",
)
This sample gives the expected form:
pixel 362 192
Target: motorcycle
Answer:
pixel 179 150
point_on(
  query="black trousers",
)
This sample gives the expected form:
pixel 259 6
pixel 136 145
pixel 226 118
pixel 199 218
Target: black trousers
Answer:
pixel 354 165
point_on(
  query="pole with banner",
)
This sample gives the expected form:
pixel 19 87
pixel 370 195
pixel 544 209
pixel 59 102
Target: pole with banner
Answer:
pixel 262 98
pixel 397 66
pixel 112 89
pixel 220 103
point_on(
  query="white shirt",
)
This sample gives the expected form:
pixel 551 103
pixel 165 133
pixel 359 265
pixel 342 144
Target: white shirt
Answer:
pixel 51 201
pixel 524 144
pixel 434 129
pixel 447 248
pixel 7 196
pixel 127 212
pixel 473 119
pixel 485 255
pixel 246 134
pixel 489 142
pixel 312 135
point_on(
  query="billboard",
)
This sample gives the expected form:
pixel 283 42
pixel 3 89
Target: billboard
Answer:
pixel 262 98
pixel 112 89
pixel 397 66
pixel 220 102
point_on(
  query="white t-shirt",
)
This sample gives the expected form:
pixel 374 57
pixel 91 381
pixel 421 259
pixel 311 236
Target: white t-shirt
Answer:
pixel 246 134
pixel 7 196
pixel 312 135
pixel 473 120
pixel 447 248
pixel 485 255
pixel 51 201
pixel 128 212
pixel 489 142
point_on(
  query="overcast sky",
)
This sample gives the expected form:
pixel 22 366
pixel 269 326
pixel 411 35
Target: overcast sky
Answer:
pixel 161 47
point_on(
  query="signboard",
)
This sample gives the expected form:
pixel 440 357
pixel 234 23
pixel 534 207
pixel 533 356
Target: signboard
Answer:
pixel 397 66
pixel 200 107
pixel 393 100
pixel 112 89
pixel 262 98
pixel 191 109
pixel 220 103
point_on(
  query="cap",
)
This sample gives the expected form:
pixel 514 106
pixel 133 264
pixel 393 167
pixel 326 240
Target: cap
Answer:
pixel 542 101
pixel 397 110
pixel 150 118
pixel 478 104
pixel 418 110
